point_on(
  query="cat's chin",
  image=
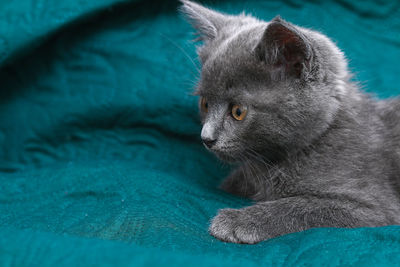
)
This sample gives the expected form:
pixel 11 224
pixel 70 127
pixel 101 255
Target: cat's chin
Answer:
pixel 228 157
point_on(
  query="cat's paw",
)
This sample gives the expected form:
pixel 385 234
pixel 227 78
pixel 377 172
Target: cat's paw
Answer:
pixel 236 226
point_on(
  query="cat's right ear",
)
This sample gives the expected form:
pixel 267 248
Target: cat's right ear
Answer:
pixel 207 22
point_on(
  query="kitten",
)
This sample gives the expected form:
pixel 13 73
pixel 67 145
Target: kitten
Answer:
pixel 313 151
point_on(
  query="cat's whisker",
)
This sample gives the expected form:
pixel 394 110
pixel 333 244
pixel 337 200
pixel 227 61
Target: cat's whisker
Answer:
pixel 249 164
pixel 191 84
pixel 256 156
pixel 184 53
pixel 259 179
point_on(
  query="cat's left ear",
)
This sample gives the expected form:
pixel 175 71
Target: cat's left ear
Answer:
pixel 285 47
pixel 206 21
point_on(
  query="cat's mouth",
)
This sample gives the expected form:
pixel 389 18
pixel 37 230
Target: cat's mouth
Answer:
pixel 233 154
pixel 227 154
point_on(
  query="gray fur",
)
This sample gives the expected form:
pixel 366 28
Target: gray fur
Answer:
pixel 313 150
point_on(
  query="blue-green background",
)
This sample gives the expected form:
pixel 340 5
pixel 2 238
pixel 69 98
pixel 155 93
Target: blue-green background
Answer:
pixel 100 159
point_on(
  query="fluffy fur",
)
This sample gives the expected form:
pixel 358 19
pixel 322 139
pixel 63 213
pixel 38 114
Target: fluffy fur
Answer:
pixel 313 150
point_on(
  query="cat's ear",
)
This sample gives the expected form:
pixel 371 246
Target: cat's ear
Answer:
pixel 207 22
pixel 283 46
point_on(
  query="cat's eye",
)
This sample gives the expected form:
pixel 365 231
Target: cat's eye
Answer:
pixel 204 105
pixel 239 112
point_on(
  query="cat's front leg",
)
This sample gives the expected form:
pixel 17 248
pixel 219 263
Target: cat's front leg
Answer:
pixel 238 184
pixel 270 219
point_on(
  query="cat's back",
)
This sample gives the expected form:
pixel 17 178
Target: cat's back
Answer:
pixel 389 112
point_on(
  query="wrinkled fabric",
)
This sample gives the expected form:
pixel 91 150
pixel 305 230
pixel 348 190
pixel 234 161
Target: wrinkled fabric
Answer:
pixel 100 157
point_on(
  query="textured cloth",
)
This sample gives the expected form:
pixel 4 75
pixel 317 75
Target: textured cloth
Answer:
pixel 100 157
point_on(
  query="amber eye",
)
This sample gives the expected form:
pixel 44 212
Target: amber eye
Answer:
pixel 239 112
pixel 204 105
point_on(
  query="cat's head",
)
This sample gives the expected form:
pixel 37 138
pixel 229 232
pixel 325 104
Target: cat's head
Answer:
pixel 266 87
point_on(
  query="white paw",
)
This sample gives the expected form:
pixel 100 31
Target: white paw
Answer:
pixel 236 226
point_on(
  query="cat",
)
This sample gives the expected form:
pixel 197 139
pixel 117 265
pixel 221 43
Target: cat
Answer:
pixel 312 149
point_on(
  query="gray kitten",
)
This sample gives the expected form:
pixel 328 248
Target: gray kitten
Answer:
pixel 313 151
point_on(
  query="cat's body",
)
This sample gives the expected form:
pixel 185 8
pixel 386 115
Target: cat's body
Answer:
pixel 314 151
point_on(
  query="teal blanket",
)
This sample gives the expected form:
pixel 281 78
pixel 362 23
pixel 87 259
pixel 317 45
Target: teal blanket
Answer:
pixel 100 157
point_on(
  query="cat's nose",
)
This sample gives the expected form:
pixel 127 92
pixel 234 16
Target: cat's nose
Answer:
pixel 208 135
pixel 209 142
